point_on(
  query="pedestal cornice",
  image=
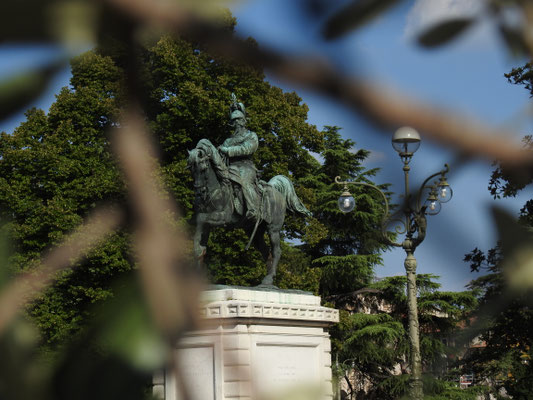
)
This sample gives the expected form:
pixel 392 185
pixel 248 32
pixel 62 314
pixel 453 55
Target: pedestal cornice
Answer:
pixel 281 305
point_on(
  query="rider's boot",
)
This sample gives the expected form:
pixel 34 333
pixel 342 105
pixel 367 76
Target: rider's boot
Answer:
pixel 252 203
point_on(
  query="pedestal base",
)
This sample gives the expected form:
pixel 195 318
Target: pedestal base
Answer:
pixel 255 344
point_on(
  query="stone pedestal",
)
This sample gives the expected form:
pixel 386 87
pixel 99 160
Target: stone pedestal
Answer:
pixel 255 344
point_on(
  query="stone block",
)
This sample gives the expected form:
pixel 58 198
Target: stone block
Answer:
pixel 237 341
pixel 237 373
pixel 236 357
pixel 237 389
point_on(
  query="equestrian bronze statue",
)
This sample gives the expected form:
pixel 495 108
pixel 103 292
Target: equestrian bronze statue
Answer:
pixel 228 193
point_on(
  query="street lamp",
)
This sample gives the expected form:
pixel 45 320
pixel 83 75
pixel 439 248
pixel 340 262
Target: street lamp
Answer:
pixel 406 142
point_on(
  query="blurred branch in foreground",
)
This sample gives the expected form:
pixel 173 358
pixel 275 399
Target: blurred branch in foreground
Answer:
pixel 380 105
pixel 159 246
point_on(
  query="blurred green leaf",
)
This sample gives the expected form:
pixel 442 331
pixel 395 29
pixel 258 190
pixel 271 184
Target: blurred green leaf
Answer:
pixel 514 39
pixel 517 246
pixel 20 90
pixel 128 332
pixel 353 16
pixel 24 372
pixel 443 32
pixel 115 356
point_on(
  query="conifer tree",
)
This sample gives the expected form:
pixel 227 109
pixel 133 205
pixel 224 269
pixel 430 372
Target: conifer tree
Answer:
pixel 371 340
pixel 349 248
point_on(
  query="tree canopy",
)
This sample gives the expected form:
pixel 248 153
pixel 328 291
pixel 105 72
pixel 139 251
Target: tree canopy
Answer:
pixel 57 166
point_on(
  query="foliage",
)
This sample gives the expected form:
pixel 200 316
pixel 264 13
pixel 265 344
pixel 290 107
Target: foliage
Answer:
pixel 522 76
pixel 229 264
pixel 506 325
pixel 439 313
pixel 505 319
pixel 507 182
pixel 296 272
pixel 57 167
pixel 347 250
pixel 446 390
pixel 377 343
pixel 342 274
pixel 49 197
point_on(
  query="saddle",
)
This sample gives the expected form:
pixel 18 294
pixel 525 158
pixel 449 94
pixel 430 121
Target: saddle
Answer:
pixel 237 198
pixel 239 202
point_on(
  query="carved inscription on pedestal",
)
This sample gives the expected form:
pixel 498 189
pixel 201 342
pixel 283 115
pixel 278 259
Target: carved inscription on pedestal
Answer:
pixel 281 367
pixel 197 366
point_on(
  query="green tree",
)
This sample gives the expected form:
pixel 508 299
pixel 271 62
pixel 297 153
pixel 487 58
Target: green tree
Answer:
pixel 56 167
pixel 372 335
pixel 349 245
pixel 507 329
pixel 507 332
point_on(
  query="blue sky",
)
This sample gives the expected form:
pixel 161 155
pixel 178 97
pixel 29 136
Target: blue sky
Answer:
pixel 466 76
pixel 16 59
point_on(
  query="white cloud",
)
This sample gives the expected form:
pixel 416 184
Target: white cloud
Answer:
pixel 427 12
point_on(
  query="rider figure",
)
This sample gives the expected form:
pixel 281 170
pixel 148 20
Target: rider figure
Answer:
pixel 238 149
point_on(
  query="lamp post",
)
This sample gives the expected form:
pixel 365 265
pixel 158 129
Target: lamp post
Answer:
pixel 406 141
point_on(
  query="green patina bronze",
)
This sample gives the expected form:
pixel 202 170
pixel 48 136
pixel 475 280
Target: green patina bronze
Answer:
pixel 238 150
pixel 229 193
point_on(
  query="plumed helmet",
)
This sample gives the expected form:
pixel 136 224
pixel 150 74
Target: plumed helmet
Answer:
pixel 237 109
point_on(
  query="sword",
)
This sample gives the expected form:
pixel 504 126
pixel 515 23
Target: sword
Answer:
pixel 256 222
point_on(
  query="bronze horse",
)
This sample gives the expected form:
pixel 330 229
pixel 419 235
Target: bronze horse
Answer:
pixel 215 206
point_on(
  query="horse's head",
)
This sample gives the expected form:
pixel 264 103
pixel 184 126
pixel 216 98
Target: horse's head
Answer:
pixel 199 163
pixel 208 170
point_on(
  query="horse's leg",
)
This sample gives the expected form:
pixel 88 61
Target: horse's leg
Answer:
pixel 260 244
pixel 275 254
pixel 201 236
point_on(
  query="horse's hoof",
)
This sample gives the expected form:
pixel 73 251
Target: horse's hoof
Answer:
pixel 267 281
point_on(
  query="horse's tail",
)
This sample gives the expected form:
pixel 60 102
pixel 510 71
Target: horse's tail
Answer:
pixel 284 185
